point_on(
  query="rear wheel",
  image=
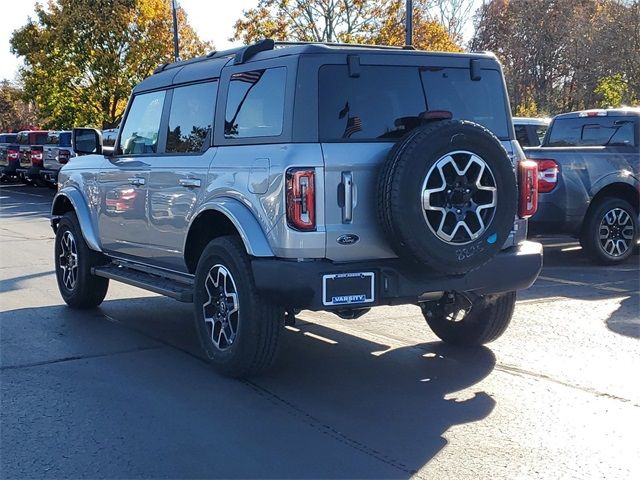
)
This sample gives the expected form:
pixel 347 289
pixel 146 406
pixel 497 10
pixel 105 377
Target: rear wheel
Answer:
pixel 239 329
pixel 466 319
pixel 73 262
pixel 610 231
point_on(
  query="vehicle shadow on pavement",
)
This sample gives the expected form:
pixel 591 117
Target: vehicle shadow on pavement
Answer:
pixel 359 408
pixel 568 273
pixel 25 201
pixel 625 320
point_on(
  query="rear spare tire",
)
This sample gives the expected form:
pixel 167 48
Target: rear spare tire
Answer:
pixel 447 196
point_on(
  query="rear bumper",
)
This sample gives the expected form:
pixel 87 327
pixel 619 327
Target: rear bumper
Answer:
pixel 49 175
pixel 299 284
pixel 31 173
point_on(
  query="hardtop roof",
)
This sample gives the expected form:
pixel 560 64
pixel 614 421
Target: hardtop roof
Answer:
pixel 211 65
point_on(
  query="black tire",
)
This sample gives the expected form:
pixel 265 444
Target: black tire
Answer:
pixel 487 319
pixel 400 210
pixel 255 330
pixel 590 235
pixel 88 291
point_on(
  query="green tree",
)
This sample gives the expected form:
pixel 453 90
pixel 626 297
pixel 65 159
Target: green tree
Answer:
pixel 614 91
pixel 349 21
pixel 82 57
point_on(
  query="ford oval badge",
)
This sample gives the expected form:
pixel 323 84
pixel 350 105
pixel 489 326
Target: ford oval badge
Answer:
pixel 348 239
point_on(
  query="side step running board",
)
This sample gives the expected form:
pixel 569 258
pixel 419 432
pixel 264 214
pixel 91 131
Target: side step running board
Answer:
pixel 182 292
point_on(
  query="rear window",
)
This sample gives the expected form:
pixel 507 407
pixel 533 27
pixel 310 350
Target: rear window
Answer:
pixel 52 138
pixel 40 138
pixel 481 101
pixel 65 139
pixel 7 138
pixel 23 138
pixel 592 132
pixel 383 102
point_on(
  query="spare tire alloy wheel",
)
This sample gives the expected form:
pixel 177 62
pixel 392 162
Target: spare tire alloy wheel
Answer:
pixel 68 260
pixel 222 311
pixel 447 196
pixel 459 197
pixel 616 232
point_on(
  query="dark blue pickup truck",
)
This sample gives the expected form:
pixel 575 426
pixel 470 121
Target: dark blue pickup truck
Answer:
pixel 589 181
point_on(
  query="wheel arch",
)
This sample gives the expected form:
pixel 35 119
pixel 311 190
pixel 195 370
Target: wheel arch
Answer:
pixel 617 189
pixel 224 217
pixel 71 200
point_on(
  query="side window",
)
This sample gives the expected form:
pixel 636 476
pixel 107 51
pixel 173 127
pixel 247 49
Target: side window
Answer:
pixel 255 104
pixel 541 130
pixel 141 127
pixel 191 117
pixel 522 135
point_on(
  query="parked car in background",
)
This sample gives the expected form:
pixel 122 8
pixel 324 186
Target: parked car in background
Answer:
pixel 31 155
pixel 6 140
pixel 264 180
pixel 57 152
pixel 589 181
pixel 530 131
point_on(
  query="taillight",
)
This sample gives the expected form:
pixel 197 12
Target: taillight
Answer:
pixel 301 198
pixel 36 156
pixel 13 154
pixel 548 171
pixel 528 183
pixel 63 156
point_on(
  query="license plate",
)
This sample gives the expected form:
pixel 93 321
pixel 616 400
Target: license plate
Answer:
pixel 348 288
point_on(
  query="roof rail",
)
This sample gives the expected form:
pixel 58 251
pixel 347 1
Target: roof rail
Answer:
pixel 242 54
pixel 334 44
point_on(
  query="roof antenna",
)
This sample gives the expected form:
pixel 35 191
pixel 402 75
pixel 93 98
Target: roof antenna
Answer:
pixel 408 40
pixel 176 52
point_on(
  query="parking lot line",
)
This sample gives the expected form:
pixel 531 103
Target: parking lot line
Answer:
pixel 582 284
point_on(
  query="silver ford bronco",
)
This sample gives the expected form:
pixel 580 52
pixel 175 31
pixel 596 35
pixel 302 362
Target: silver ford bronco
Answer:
pixel 268 179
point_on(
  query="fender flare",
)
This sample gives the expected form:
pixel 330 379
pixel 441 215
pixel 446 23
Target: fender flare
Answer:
pixel 624 176
pixel 251 233
pixel 79 204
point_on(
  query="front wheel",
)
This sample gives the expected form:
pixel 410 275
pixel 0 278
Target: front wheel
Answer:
pixel 610 231
pixel 73 261
pixel 239 329
pixel 466 319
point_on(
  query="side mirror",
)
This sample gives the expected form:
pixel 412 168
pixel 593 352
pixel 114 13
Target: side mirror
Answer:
pixel 86 141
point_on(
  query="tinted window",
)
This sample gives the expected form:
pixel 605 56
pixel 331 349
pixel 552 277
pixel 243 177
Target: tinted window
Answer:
pixel 541 131
pixel 65 139
pixel 52 138
pixel 481 101
pixel 40 138
pixel 255 104
pixel 381 103
pixel 522 135
pixel 141 128
pixel 8 138
pixel 191 117
pixel 592 131
pixel 23 138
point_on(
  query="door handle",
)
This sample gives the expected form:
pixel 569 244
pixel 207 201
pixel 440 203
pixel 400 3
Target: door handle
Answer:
pixel 137 181
pixel 347 210
pixel 190 182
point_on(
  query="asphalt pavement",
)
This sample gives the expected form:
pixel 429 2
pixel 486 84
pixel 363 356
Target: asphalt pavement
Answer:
pixel 121 391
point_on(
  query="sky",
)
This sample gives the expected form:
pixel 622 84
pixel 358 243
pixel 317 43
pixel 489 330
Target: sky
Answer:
pixel 212 19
